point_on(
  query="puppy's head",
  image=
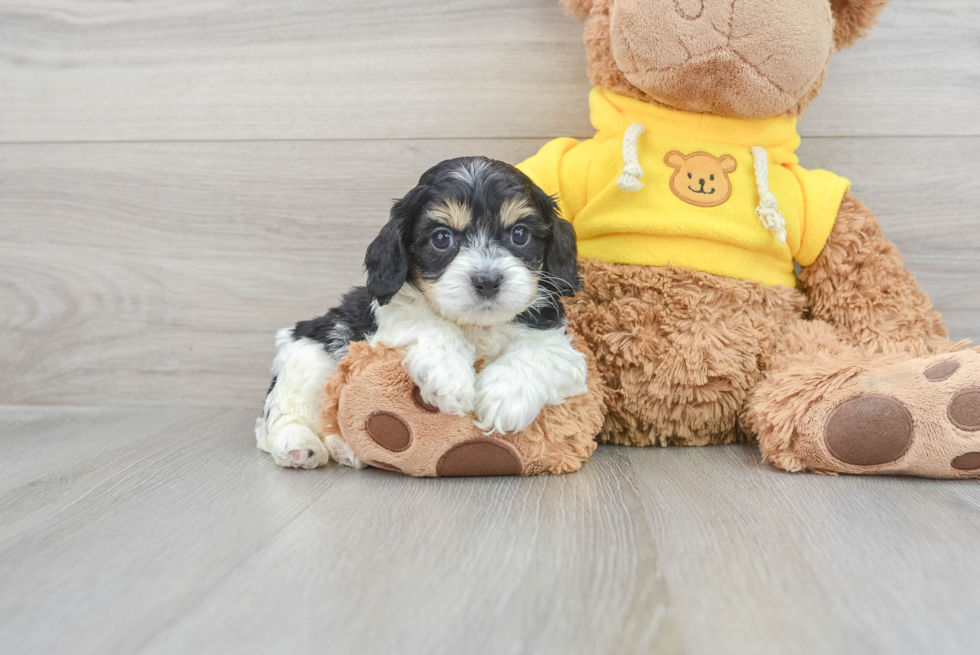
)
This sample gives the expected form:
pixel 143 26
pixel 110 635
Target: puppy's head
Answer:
pixel 480 240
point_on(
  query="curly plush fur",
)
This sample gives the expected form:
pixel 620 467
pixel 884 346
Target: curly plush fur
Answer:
pixel 679 350
pixel 860 284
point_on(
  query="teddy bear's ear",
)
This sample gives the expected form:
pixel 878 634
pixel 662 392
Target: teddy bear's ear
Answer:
pixel 853 19
pixel 728 163
pixel 675 159
pixel 577 8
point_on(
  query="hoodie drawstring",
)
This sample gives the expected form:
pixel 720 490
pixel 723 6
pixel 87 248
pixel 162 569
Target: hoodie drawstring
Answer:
pixel 768 209
pixel 629 181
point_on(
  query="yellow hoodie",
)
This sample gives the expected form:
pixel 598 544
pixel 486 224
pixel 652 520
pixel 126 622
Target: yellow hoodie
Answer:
pixel 658 186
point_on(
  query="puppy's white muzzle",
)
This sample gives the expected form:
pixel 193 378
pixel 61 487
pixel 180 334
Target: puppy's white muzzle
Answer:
pixel 484 285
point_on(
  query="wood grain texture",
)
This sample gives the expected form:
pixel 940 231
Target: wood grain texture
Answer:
pixel 158 273
pixel 188 539
pixel 368 69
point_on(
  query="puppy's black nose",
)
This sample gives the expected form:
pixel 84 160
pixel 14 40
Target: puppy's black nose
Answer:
pixel 702 182
pixel 487 284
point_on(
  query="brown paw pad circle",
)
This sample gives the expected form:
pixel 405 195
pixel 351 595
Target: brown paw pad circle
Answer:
pixel 964 410
pixel 479 457
pixel 869 430
pixel 967 462
pixel 421 404
pixel 390 432
pixel 942 370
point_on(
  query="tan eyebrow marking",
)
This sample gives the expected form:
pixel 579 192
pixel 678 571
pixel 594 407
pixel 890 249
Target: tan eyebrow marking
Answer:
pixel 452 214
pixel 514 210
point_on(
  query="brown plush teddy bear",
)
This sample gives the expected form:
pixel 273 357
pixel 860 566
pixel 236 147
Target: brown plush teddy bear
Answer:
pixel 691 210
pixel 730 294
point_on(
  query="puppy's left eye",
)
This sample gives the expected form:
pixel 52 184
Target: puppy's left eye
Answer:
pixel 519 235
pixel 442 239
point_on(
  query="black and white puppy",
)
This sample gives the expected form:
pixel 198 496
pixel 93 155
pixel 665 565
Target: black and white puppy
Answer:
pixel 471 265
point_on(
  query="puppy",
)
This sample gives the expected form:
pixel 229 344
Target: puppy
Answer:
pixel 471 265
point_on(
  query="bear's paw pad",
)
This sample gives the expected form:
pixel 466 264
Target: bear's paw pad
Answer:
pixel 389 431
pixel 868 430
pixel 479 457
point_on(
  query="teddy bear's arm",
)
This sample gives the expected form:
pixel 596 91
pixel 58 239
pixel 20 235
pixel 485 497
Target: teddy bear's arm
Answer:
pixel 859 283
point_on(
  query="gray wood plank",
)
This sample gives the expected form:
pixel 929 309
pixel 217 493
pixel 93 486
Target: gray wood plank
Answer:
pixel 261 69
pixel 190 540
pixel 37 440
pixel 546 565
pixel 105 549
pixel 157 273
pixel 314 69
pixel 762 561
pixel 883 85
pixel 921 199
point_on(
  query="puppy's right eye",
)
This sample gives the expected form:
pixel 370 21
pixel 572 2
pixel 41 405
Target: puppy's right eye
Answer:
pixel 442 239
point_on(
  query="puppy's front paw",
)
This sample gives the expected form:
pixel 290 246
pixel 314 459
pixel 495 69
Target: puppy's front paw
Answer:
pixel 451 394
pixel 295 446
pixel 503 407
pixel 447 385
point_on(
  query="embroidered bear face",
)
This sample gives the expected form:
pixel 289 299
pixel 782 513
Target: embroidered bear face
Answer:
pixel 700 178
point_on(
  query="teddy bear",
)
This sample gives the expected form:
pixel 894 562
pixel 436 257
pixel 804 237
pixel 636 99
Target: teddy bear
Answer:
pixel 729 293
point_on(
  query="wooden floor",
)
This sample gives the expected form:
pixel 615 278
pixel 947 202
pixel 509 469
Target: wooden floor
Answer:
pixel 179 179
pixel 164 531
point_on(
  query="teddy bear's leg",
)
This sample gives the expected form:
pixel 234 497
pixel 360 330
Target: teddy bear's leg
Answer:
pixel 829 406
pixel 873 385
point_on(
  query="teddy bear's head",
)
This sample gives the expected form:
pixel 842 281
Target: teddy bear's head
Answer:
pixel 736 58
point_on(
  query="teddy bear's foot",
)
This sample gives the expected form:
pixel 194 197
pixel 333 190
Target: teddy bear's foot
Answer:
pixel 407 435
pixel 919 417
pixel 387 424
pixel 468 452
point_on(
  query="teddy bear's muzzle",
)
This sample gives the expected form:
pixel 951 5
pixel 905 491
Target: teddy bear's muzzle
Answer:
pixel 745 59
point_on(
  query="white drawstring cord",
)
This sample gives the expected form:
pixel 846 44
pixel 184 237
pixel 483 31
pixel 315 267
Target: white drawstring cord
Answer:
pixel 629 181
pixel 768 209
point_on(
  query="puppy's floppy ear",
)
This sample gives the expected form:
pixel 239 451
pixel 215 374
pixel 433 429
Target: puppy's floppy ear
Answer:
pixel 853 19
pixel 561 255
pixel 578 8
pixel 386 261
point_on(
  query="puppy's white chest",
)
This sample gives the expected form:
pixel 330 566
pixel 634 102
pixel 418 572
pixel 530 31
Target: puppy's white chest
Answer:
pixel 489 343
